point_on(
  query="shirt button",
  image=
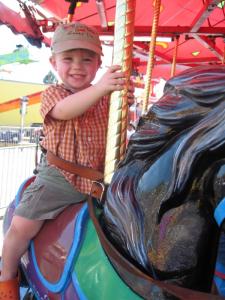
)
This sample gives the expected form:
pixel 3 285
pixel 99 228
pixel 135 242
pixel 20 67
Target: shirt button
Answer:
pixel 89 139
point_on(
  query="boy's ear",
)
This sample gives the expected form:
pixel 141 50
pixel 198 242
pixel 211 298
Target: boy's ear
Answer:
pixel 53 62
pixel 99 62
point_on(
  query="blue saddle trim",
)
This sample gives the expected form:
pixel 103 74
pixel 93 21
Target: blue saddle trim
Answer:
pixel 79 291
pixel 220 282
pixel 219 285
pixel 219 213
pixel 220 267
pixel 79 229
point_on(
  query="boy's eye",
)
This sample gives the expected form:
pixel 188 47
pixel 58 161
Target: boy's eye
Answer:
pixel 67 58
pixel 87 59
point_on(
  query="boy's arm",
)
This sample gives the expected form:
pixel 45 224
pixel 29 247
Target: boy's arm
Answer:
pixel 76 104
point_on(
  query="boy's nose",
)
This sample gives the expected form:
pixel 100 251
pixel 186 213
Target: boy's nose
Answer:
pixel 76 64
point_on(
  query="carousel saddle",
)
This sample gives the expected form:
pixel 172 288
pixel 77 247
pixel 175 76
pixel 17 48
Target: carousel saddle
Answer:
pixel 66 258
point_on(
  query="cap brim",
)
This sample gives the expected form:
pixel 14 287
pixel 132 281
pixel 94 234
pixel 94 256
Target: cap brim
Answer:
pixel 75 44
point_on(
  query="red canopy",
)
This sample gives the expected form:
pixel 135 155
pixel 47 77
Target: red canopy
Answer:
pixel 199 26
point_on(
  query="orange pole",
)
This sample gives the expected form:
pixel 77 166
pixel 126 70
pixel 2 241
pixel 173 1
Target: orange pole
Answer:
pixel 150 65
pixel 223 59
pixel 173 68
pixel 69 18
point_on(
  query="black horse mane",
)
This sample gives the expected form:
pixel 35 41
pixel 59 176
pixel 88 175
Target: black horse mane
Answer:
pixel 193 107
pixel 193 100
pixel 187 99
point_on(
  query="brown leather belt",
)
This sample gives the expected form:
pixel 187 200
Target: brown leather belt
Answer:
pixel 85 172
pixel 70 167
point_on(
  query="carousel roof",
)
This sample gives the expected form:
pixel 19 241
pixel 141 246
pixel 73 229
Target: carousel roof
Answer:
pixel 197 27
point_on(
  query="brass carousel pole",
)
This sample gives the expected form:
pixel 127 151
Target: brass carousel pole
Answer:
pixel 148 85
pixel 223 59
pixel 118 109
pixel 173 69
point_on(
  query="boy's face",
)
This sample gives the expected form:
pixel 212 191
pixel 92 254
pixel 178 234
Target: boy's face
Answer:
pixel 76 68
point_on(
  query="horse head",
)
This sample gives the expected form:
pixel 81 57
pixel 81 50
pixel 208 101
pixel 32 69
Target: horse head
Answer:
pixel 159 208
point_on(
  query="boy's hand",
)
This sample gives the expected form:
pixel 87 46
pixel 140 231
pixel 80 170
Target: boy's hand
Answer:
pixel 112 80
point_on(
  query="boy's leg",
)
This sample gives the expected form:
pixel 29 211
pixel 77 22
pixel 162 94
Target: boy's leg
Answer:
pixel 15 244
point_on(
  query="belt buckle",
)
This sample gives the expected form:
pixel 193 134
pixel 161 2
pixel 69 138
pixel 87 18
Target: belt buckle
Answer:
pixel 98 190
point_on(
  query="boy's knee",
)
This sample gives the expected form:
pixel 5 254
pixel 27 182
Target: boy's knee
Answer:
pixel 24 229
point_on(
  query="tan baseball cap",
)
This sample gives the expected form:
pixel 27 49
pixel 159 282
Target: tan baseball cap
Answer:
pixel 75 36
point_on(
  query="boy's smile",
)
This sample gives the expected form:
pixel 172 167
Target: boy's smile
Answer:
pixel 76 68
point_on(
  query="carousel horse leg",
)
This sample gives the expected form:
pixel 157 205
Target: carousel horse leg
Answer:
pixel 9 289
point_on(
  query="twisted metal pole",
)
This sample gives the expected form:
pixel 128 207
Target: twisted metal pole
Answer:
pixel 223 58
pixel 173 69
pixel 150 65
pixel 118 109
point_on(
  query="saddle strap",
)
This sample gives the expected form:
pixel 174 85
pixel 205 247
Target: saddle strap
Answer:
pixel 73 168
pixel 112 252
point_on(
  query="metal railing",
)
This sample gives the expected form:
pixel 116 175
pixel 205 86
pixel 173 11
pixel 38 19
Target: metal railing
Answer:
pixel 18 157
pixel 15 135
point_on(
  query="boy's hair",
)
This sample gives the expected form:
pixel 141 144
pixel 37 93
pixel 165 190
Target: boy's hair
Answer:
pixel 75 36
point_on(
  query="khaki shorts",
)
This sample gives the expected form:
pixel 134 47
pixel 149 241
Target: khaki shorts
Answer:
pixel 48 195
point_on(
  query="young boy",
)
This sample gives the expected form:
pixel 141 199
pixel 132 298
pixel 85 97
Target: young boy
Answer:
pixel 75 117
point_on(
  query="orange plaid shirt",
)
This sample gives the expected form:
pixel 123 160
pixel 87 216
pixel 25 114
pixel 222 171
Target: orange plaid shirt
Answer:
pixel 80 140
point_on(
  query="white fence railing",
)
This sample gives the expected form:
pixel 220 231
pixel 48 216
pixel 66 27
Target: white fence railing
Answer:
pixel 16 164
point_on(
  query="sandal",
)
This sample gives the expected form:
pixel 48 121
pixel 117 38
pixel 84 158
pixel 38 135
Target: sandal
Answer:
pixel 9 290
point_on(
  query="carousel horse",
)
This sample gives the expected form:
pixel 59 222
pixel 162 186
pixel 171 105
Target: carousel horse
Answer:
pixel 159 233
